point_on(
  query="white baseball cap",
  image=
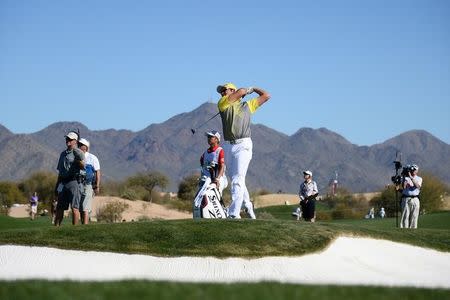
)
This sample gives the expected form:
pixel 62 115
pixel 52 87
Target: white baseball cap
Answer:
pixel 307 172
pixel 213 133
pixel 84 142
pixel 72 135
pixel 414 167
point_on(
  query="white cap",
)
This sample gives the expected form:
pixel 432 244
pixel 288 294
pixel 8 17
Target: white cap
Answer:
pixel 72 135
pixel 213 133
pixel 414 167
pixel 84 142
pixel 307 172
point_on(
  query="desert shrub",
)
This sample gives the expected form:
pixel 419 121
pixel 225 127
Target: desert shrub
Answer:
pixel 133 193
pixel 188 188
pixel 323 215
pixel 130 194
pixel 9 194
pixel 264 215
pixel 344 212
pixel 432 193
pixel 111 212
pixel 344 205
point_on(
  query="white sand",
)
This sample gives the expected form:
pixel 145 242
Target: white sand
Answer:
pixel 358 261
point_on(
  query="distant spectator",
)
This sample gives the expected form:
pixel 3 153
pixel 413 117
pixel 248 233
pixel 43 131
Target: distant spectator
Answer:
pixel 53 209
pixel 382 213
pixel 372 213
pixel 33 205
pixel 308 193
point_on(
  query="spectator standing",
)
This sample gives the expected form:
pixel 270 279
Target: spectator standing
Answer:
pixel 91 182
pixel 308 192
pixel 70 165
pixel 33 205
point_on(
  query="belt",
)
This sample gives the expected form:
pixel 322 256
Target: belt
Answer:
pixel 68 179
pixel 406 196
pixel 237 141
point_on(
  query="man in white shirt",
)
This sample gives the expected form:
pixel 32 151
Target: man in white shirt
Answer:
pixel 308 192
pixel 91 181
pixel 410 198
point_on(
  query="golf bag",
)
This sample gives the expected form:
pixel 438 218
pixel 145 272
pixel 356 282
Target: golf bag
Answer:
pixel 208 202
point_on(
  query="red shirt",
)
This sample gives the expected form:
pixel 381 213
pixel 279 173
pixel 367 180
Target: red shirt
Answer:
pixel 221 155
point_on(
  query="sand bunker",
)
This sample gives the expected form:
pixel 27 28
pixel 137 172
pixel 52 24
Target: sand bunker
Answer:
pixel 348 261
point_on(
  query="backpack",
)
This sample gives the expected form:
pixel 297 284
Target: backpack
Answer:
pixel 90 174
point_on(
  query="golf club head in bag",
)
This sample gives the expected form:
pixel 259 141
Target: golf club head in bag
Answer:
pixel 207 203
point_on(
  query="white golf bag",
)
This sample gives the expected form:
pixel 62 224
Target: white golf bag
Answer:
pixel 208 202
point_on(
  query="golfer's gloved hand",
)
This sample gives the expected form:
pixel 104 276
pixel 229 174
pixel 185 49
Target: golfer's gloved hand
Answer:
pixel 250 90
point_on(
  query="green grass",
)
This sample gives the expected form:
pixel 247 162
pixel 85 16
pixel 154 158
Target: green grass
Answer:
pixel 249 238
pixel 17 223
pixel 221 238
pixel 284 212
pixel 37 290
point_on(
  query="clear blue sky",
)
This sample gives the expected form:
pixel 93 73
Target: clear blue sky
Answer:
pixel 368 70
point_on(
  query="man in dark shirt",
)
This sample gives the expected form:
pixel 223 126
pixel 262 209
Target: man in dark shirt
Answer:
pixel 70 164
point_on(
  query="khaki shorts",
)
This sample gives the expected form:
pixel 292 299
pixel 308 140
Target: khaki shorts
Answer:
pixel 34 209
pixel 86 198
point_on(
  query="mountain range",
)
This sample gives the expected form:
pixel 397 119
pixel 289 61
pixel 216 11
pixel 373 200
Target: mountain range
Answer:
pixel 277 163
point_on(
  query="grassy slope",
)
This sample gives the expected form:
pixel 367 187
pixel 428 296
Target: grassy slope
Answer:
pixel 221 238
pixel 212 238
pixel 37 290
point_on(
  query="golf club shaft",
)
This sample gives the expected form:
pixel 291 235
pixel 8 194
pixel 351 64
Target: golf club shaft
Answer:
pixel 207 121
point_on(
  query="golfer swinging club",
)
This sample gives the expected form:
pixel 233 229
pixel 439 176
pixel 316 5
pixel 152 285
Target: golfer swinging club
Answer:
pixel 238 145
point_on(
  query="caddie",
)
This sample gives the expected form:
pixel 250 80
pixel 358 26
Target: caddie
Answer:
pixel 307 193
pixel 236 118
pixel 214 158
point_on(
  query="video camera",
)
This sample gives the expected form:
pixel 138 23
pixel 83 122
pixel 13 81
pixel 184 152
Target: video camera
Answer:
pixel 398 179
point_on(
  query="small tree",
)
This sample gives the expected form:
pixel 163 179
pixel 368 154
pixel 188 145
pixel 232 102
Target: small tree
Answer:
pixel 432 193
pixel 188 188
pixel 9 194
pixel 149 181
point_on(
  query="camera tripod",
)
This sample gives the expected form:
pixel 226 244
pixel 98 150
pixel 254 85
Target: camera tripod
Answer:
pixel 398 166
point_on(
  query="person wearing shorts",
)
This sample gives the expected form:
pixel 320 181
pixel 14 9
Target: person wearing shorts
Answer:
pixel 70 164
pixel 91 182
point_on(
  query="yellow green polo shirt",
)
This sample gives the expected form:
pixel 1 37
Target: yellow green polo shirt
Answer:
pixel 236 117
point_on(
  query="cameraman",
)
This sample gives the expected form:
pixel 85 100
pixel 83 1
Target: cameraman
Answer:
pixel 410 197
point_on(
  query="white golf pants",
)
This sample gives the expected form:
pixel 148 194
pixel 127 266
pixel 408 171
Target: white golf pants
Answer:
pixel 410 212
pixel 237 159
